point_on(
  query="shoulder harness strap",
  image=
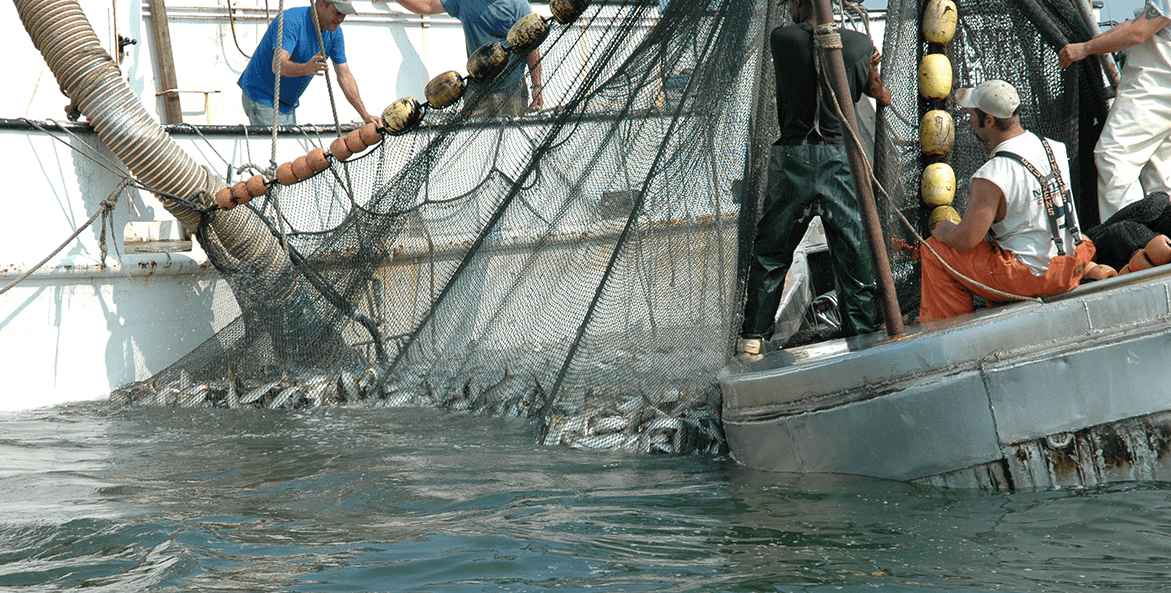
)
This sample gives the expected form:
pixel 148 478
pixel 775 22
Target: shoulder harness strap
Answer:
pixel 1051 185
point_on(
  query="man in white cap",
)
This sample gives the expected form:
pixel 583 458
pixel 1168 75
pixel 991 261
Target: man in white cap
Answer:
pixel 1019 235
pixel 301 58
pixel 1133 153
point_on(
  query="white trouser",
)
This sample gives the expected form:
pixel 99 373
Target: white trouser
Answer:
pixel 1133 153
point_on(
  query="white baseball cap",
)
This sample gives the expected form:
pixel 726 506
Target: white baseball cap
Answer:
pixel 994 97
pixel 343 6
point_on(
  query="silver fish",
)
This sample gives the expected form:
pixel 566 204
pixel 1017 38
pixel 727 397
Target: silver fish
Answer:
pixel 347 387
pixel 318 393
pixel 260 392
pixel 285 397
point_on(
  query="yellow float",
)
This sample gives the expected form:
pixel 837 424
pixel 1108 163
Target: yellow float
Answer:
pixel 402 116
pixel 935 76
pixel 938 186
pixel 942 213
pixel 937 133
pixel 939 21
pixel 445 89
pixel 527 33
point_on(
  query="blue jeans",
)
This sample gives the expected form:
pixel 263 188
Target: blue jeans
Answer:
pixel 260 114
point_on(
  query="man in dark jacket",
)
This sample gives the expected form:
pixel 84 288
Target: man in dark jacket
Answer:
pixel 809 175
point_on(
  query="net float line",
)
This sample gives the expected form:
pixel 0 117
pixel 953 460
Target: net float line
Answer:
pixel 937 130
pixel 405 114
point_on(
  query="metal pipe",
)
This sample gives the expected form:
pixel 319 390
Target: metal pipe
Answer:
pixel 878 257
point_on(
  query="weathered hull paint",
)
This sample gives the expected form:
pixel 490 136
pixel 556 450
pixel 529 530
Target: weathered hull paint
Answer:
pixel 1069 393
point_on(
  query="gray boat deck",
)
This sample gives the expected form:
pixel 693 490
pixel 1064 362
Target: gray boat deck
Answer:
pixel 966 400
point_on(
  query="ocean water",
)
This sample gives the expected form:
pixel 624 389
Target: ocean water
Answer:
pixel 112 498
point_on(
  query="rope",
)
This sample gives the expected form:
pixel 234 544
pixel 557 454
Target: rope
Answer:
pixel 854 136
pixel 103 162
pixel 328 86
pixel 333 107
pixel 827 37
pixel 107 205
pixel 111 167
pixel 206 141
pixel 276 92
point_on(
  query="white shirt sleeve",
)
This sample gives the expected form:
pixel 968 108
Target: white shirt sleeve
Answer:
pixel 1160 5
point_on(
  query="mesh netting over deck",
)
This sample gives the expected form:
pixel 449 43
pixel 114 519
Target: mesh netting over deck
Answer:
pixel 582 267
pixel 1012 40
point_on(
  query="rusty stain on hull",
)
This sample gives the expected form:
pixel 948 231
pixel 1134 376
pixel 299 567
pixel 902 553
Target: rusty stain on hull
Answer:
pixel 1135 449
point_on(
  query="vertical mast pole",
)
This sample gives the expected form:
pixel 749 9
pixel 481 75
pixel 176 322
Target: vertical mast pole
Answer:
pixel 879 261
pixel 1108 64
pixel 166 62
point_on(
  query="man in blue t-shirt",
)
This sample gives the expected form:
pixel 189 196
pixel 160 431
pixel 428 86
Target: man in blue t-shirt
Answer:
pixel 485 21
pixel 301 59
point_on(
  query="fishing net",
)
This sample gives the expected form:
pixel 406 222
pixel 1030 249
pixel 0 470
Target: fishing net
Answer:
pixel 1012 40
pixel 582 267
pixel 578 266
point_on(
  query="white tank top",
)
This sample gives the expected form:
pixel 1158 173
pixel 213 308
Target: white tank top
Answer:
pixel 1025 228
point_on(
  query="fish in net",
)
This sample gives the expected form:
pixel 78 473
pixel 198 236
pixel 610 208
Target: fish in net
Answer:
pixel 584 267
pixel 577 267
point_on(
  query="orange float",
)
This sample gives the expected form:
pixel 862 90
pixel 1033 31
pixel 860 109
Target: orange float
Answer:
pixel 1101 272
pixel 1139 262
pixel 223 198
pixel 354 141
pixel 317 161
pixel 256 187
pixel 339 150
pixel 285 175
pixel 1158 250
pixel 369 134
pixel 240 193
pixel 301 168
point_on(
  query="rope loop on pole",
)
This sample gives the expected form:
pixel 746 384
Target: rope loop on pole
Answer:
pixel 826 36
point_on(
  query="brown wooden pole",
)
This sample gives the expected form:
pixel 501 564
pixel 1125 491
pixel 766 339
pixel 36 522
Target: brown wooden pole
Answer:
pixel 1108 64
pixel 880 263
pixel 166 62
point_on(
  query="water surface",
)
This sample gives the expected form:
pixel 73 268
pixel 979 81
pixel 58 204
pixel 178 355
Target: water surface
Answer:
pixel 143 498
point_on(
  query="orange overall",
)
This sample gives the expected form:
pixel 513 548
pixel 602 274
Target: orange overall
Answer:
pixel 944 295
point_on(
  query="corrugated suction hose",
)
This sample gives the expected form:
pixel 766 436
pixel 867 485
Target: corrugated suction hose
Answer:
pixel 87 74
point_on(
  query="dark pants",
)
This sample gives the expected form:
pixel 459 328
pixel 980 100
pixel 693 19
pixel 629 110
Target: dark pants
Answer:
pixel 803 182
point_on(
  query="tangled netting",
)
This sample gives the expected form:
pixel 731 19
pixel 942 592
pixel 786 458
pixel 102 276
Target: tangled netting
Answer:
pixel 1012 40
pixel 584 267
pixel 578 267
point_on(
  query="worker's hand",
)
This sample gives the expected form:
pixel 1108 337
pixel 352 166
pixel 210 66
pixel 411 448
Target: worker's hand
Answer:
pixel 943 229
pixel 317 65
pixel 373 119
pixel 875 88
pixel 880 92
pixel 538 100
pixel 1074 52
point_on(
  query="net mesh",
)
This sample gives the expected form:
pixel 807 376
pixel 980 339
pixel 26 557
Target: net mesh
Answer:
pixel 583 267
pixel 577 267
pixel 1012 40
